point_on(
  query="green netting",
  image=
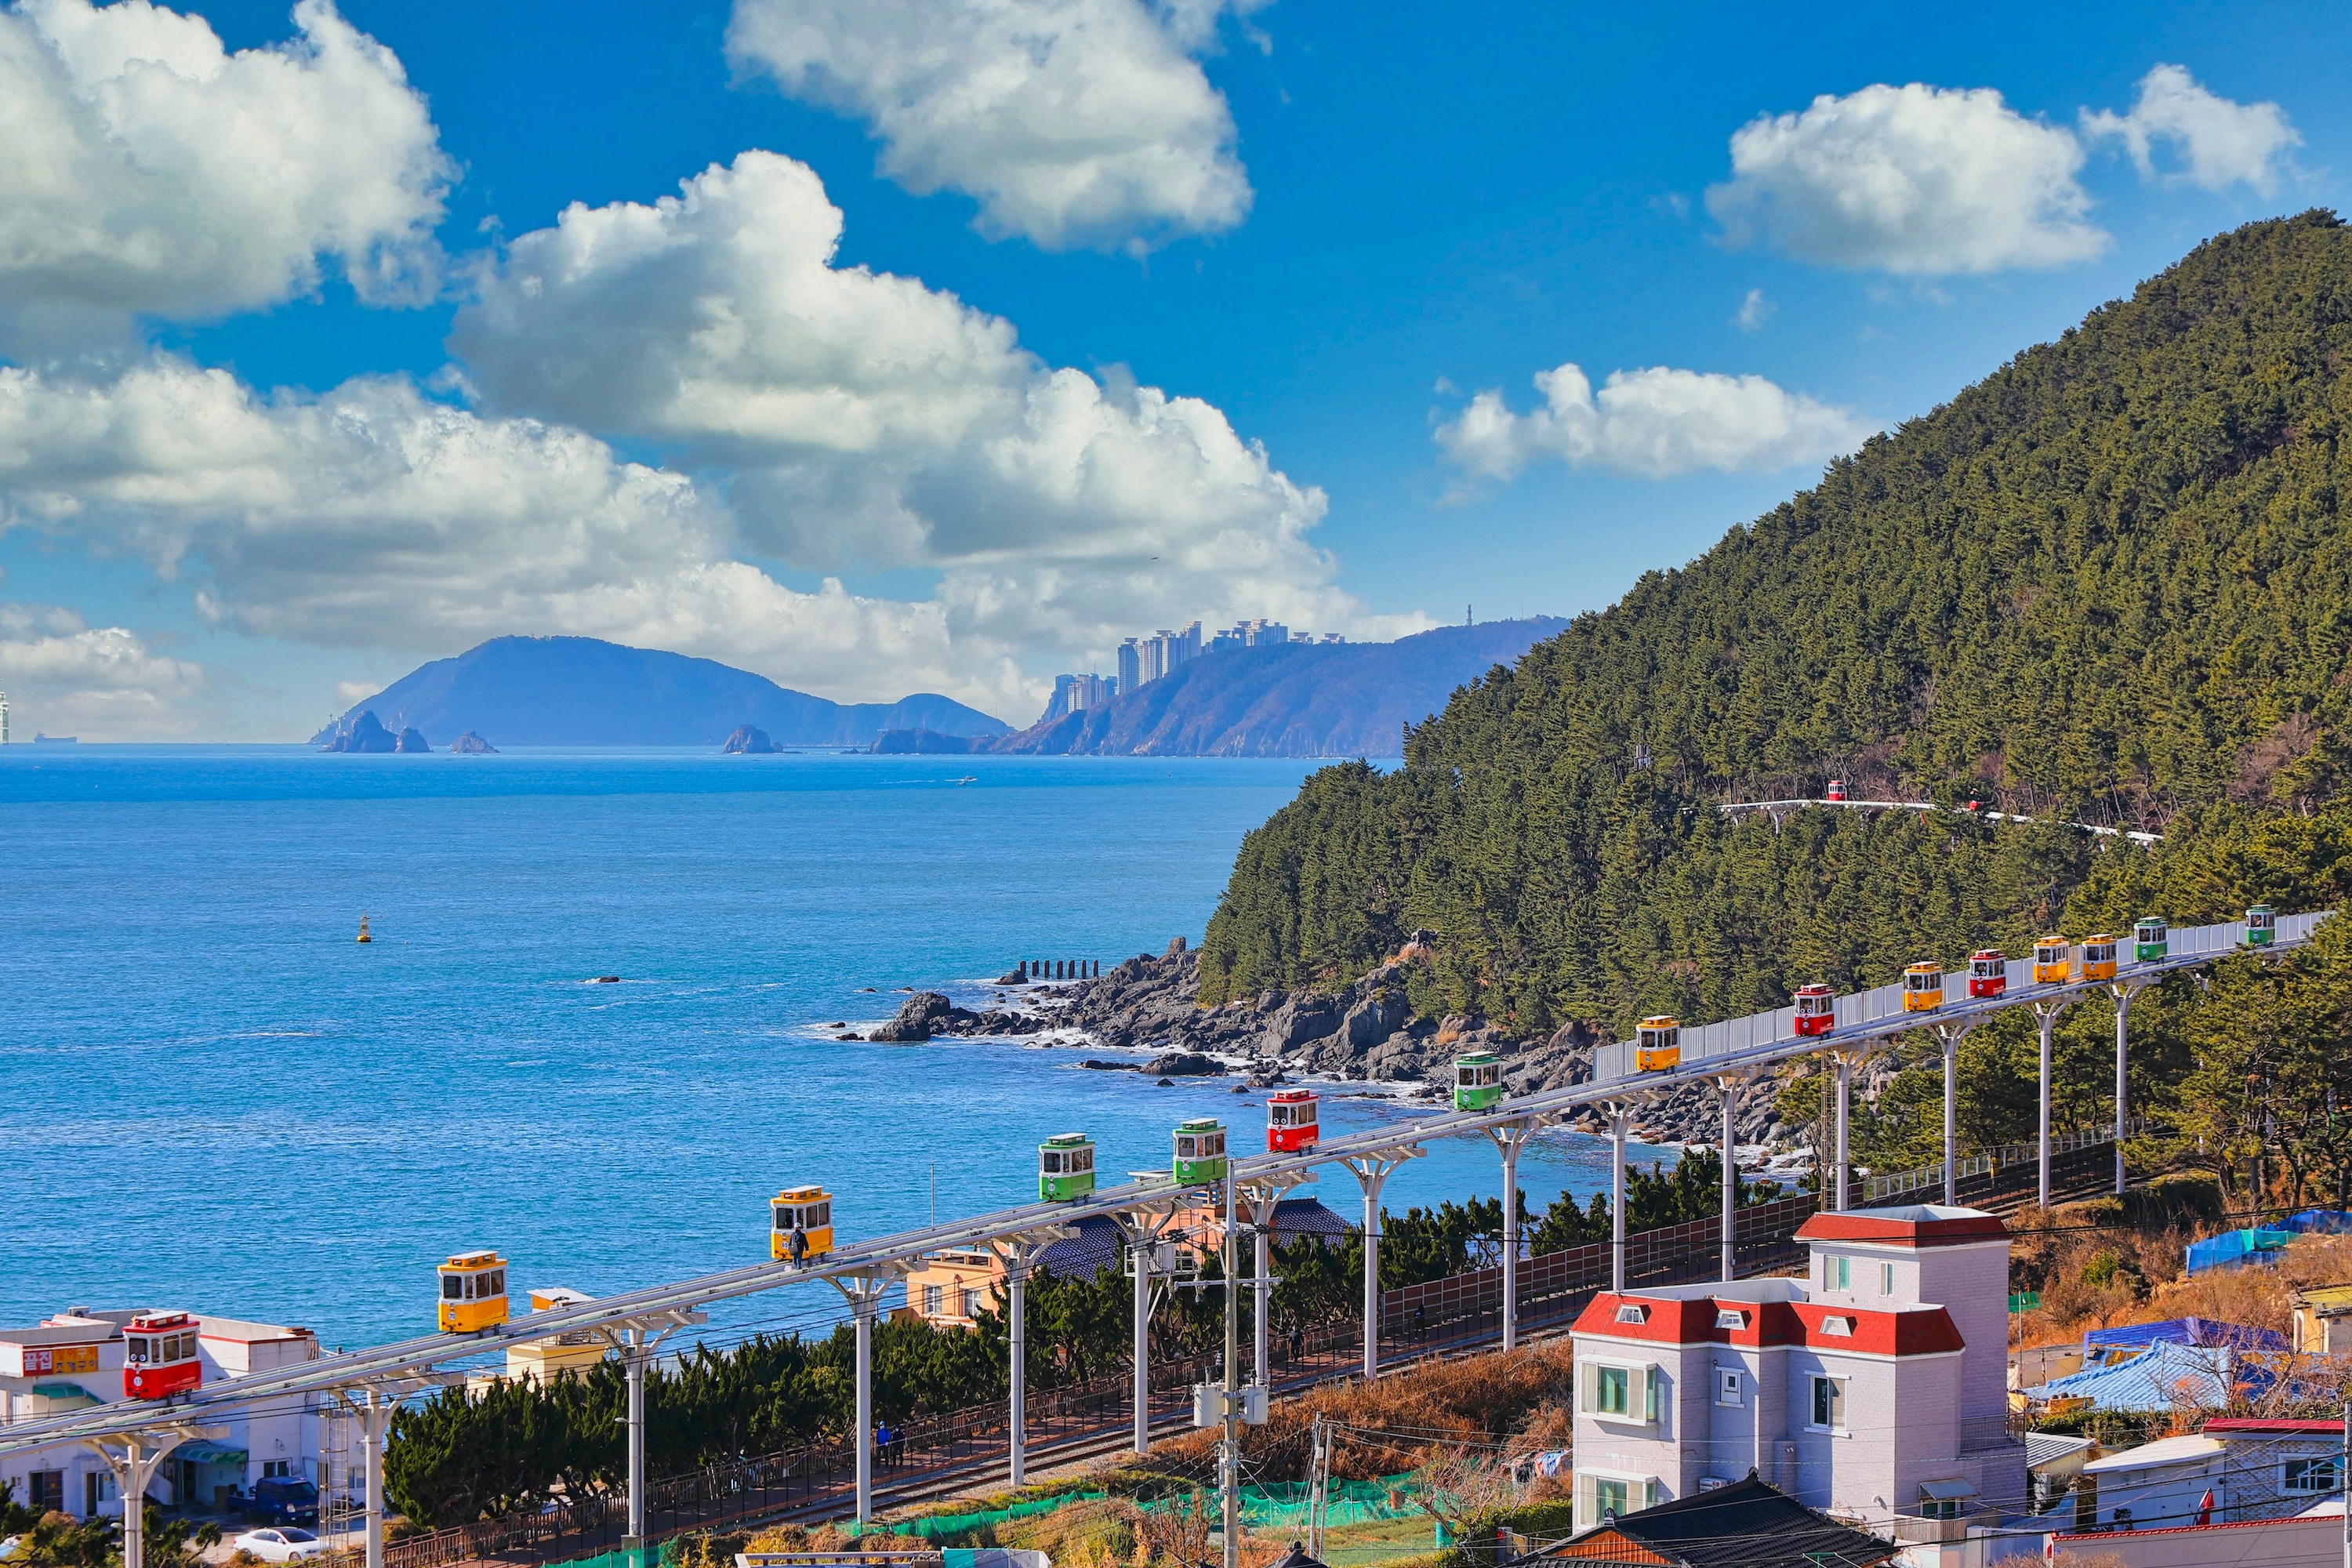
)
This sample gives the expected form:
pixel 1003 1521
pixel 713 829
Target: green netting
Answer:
pixel 1283 1503
pixel 663 1556
pixel 934 1527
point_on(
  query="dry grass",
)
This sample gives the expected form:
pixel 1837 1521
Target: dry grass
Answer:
pixel 2145 1280
pixel 1394 1423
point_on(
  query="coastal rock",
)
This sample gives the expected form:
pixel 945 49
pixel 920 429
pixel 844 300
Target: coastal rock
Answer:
pixel 1185 1064
pixel 1111 1066
pixel 1379 1016
pixel 367 733
pixel 916 1018
pixel 411 739
pixel 748 741
pixel 472 745
pixel 1298 1021
pixel 1019 976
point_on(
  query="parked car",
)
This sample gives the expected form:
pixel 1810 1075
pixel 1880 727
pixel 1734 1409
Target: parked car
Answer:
pixel 280 1544
pixel 286 1499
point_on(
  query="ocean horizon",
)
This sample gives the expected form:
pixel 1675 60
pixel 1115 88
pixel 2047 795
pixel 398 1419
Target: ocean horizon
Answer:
pixel 227 1104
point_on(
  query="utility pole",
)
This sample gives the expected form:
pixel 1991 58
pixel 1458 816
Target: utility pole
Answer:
pixel 2343 1482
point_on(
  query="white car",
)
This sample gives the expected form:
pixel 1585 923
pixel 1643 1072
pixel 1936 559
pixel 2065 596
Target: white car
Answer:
pixel 280 1544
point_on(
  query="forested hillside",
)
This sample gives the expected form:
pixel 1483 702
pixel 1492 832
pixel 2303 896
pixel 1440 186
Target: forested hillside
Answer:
pixel 2112 583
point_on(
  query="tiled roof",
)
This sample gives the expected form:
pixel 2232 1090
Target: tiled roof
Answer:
pixel 1911 1330
pixel 1746 1524
pixel 1910 1225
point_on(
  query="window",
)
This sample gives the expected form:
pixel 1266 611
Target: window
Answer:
pixel 135 1351
pixel 1051 1164
pixel 1609 1499
pixel 1730 1317
pixel 1839 1328
pixel 2123 1519
pixel 1630 1313
pixel 1614 1385
pixel 931 1295
pixel 2307 1475
pixel 277 1470
pixel 452 1287
pixel 1887 1279
pixel 1839 1274
pixel 45 1490
pixel 1729 1387
pixel 1829 1403
pixel 1184 1148
pixel 821 1216
pixel 1622 1393
pixel 971 1302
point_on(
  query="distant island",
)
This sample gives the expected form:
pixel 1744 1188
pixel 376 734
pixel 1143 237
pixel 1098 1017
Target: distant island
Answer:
pixel 1294 699
pixel 580 691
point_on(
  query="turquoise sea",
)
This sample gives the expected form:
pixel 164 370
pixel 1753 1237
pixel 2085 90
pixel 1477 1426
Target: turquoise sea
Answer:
pixel 216 1099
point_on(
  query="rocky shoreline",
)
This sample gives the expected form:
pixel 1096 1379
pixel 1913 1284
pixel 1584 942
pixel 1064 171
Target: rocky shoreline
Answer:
pixel 1363 1032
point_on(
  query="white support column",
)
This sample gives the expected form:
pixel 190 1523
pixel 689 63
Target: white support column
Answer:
pixel 635 1341
pixel 1016 1413
pixel 863 1293
pixel 133 1458
pixel 375 1425
pixel 1262 1302
pixel 1263 1194
pixel 632 1368
pixel 1019 1254
pixel 2124 995
pixel 1510 1140
pixel 1951 1035
pixel 1951 1116
pixel 2046 1015
pixel 1372 1173
pixel 1143 1261
pixel 1844 1095
pixel 1140 1229
pixel 1730 1088
pixel 1619 1117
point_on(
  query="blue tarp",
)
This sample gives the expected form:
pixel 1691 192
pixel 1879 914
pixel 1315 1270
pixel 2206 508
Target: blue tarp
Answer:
pixel 2162 1377
pixel 2188 1332
pixel 2233 1247
pixel 2318 1222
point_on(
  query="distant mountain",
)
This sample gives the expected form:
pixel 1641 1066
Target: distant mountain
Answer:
pixel 578 691
pixel 1321 699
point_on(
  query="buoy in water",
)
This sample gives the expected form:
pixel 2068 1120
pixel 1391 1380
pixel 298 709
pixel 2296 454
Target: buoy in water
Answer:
pixel 364 931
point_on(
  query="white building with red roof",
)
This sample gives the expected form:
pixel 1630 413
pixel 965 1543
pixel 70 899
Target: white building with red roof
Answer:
pixel 1873 1388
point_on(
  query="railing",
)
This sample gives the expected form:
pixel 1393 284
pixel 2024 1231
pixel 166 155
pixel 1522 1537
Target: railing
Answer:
pixel 1993 1173
pixel 1704 1042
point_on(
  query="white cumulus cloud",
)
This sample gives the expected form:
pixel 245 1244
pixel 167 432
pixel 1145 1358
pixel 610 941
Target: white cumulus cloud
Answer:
pixel 862 418
pixel 1074 123
pixel 1915 180
pixel 65 676
pixel 2218 142
pixel 145 170
pixel 1655 423
pixel 373 517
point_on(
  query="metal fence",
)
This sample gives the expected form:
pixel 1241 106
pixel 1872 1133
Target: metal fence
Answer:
pixel 2079 1160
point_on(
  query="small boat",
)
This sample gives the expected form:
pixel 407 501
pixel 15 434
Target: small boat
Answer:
pixel 966 778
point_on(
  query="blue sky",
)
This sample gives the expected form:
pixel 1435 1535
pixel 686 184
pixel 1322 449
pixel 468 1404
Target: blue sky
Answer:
pixel 988 333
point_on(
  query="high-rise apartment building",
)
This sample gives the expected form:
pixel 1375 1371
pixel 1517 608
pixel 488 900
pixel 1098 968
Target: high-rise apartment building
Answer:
pixel 4 718
pixel 1130 663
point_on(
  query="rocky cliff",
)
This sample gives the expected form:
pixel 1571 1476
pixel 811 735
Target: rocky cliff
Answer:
pixel 1365 1031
